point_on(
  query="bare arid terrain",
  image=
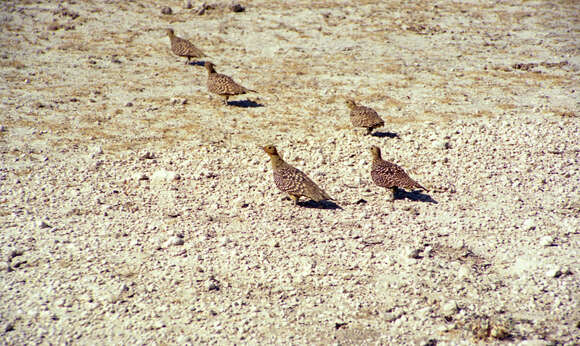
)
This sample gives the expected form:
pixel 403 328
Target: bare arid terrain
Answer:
pixel 137 208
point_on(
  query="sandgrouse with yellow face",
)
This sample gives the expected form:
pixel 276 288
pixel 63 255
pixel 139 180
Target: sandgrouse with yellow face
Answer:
pixel 293 181
pixel 223 85
pixel 182 47
pixel 389 175
pixel 361 116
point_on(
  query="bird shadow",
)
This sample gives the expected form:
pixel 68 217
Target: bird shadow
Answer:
pixel 385 134
pixel 330 205
pixel 415 196
pixel 245 104
pixel 196 63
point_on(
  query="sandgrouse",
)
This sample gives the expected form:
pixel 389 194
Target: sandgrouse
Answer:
pixel 389 175
pixel 361 116
pixel 182 47
pixel 223 85
pixel 291 180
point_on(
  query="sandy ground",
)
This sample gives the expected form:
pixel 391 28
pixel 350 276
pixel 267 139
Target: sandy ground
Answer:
pixel 135 208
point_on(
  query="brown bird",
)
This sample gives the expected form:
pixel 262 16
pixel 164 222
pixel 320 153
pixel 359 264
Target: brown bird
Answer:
pixel 182 47
pixel 389 175
pixel 361 116
pixel 291 180
pixel 223 85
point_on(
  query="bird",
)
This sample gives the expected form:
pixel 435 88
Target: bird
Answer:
pixel 361 116
pixel 292 180
pixel 182 47
pixel 389 175
pixel 223 85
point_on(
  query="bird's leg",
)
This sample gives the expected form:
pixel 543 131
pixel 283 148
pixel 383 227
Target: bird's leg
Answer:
pixel 187 61
pixel 226 99
pixel 294 199
pixel 392 192
pixel 369 130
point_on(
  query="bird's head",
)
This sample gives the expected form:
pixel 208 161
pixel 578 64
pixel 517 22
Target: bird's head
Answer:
pixel 210 67
pixel 270 150
pixel 375 152
pixel 350 103
pixel 170 32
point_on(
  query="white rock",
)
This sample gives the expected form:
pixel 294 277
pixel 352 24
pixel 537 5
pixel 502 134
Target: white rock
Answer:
pixel 140 176
pixel 441 144
pixel 414 253
pixel 43 224
pixel 534 342
pixel 547 241
pixel 449 309
pixel 97 150
pixel 528 224
pixel 554 272
pixel 163 176
pixel 174 241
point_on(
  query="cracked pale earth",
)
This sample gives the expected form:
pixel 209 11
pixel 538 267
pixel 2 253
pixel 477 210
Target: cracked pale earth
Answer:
pixel 135 208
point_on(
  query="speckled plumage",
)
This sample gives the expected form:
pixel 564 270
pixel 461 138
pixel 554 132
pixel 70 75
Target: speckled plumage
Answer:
pixel 361 116
pixel 223 85
pixel 293 181
pixel 184 48
pixel 390 175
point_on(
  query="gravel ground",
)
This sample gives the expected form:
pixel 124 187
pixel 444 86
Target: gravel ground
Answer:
pixel 136 208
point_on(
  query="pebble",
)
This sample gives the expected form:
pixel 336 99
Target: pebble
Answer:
pixel 2 128
pixel 441 145
pixel 166 10
pixel 554 272
pixel 187 5
pixel 547 241
pixel 178 101
pixel 414 253
pixel 96 151
pixel 528 225
pixel 43 224
pixel 140 176
pixel 174 241
pixel 212 284
pixel 449 309
pixel 163 176
pixel 237 8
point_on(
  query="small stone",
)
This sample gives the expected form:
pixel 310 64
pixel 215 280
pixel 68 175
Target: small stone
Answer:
pixel 2 128
pixel 129 104
pixel 53 27
pixel 140 177
pixel 440 144
pixel 547 241
pixel 147 156
pixel 528 225
pixel 174 241
pixel 163 176
pixel 237 8
pixel 166 10
pixel 8 327
pixel 97 150
pixel 428 251
pixel 178 101
pixel 187 5
pixel 414 253
pixel 499 332
pixel 554 272
pixel 449 309
pixel 43 224
pixel 212 284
